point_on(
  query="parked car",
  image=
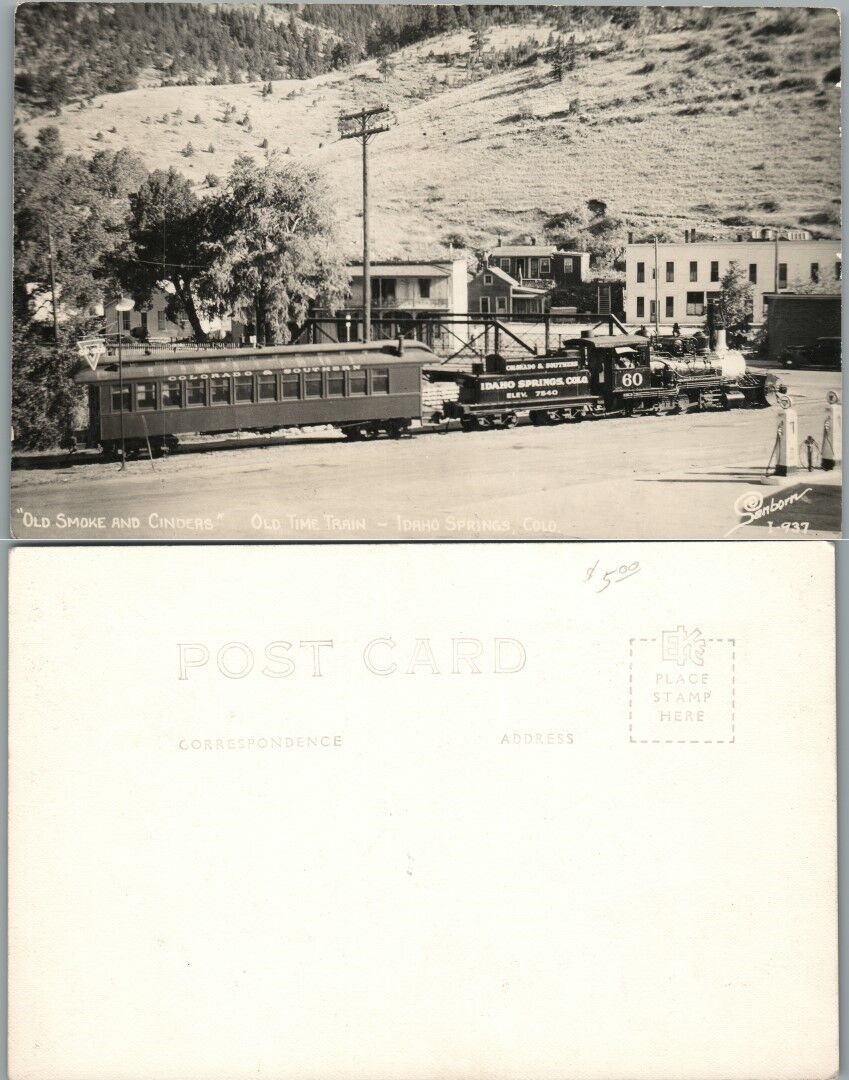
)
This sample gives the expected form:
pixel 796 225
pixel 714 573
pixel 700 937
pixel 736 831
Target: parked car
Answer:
pixel 823 353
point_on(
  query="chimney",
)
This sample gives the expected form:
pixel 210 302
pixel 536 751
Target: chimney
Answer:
pixel 630 238
pixel 498 242
pixel 533 241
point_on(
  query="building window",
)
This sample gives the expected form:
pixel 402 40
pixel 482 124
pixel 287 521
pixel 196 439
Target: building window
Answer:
pixel 487 280
pixel 172 396
pixel 383 290
pixel 652 310
pixel 641 271
pixel 267 387
pixel 312 384
pixel 195 391
pixel 143 317
pixel 534 272
pixel 505 265
pixel 243 387
pixel 670 307
pixel 501 303
pixel 544 267
pixel 220 389
pixel 714 271
pixel 782 275
pixel 695 303
pixel 424 288
pixel 569 265
pixel 160 320
pixel 380 380
pixel 838 267
pixel 484 305
pixel 146 396
pixel 670 271
pixel 116 399
pixel 641 307
pixel 694 271
pixel 815 272
pixel 336 384
pixel 357 383
pixel 753 273
pixel 125 320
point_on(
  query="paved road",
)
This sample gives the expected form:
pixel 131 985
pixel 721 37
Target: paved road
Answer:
pixel 657 477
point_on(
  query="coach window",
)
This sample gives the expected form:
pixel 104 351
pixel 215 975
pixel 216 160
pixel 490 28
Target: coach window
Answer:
pixel 195 391
pixel 116 399
pixel 291 386
pixel 267 387
pixel 335 383
pixel 172 397
pixel 380 380
pixel 815 272
pixel 312 384
pixel 243 387
pixel 357 383
pixel 146 396
pixel 219 386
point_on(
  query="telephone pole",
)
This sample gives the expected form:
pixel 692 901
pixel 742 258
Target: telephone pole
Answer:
pixel 51 257
pixel 365 125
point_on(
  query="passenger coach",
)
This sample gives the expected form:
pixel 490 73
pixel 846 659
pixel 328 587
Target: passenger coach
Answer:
pixel 362 389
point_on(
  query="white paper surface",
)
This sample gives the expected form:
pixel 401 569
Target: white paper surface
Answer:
pixel 532 873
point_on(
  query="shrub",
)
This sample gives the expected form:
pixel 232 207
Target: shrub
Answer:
pixel 188 150
pixel 700 50
pixel 264 144
pixel 211 180
pixel 210 149
pixel 455 239
pixel 783 24
pixel 45 399
pixel 99 136
pixel 197 119
pixel 646 69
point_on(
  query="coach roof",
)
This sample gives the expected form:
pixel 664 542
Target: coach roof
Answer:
pixel 225 361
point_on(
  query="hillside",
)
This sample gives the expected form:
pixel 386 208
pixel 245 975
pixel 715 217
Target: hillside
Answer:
pixel 723 117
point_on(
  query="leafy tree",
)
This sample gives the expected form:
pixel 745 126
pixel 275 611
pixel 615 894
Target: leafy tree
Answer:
pixel 272 246
pixel 166 230
pixel 734 302
pixel 45 399
pixel 83 204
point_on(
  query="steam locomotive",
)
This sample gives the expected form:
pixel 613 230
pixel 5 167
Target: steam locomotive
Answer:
pixel 601 376
pixel 380 388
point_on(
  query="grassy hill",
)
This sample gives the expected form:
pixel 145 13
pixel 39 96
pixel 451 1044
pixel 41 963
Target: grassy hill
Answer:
pixel 725 117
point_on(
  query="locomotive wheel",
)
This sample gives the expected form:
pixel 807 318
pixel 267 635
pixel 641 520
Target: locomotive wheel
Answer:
pixel 468 423
pixel 369 431
pixel 398 428
pixel 684 404
pixel 484 422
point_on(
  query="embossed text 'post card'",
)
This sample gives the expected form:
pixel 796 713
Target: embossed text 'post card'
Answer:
pixel 449 813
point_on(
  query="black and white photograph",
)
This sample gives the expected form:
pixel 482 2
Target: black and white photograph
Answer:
pixel 416 272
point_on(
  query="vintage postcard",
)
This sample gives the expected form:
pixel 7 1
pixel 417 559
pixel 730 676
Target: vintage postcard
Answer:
pixel 348 272
pixel 552 812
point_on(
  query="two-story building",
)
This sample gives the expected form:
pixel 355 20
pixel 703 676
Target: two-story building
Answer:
pixel 151 321
pixel 539 266
pixel 492 291
pixel 683 277
pixel 401 293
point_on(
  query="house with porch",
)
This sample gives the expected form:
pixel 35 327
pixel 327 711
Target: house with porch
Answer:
pixel 492 291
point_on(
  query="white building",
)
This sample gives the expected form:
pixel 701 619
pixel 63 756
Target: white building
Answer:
pixel 438 287
pixel 690 273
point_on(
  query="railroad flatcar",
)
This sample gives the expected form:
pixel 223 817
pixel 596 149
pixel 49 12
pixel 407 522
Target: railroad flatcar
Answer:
pixel 362 389
pixel 594 377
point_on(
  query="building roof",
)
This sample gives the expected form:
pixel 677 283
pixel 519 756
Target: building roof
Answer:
pixel 422 268
pixel 802 296
pixel 519 250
